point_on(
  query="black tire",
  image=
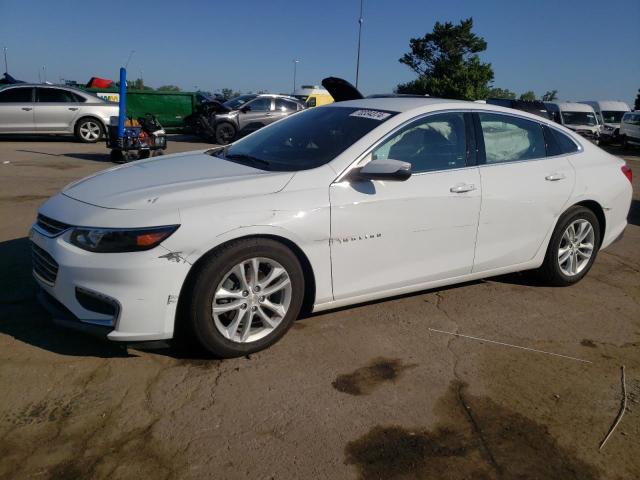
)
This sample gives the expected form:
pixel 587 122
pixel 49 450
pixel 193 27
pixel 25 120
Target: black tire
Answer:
pixel 200 290
pixel 550 271
pixel 225 133
pixel 144 154
pixel 157 153
pixel 625 142
pixel 89 130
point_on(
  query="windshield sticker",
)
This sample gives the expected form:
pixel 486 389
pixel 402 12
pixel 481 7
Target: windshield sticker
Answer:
pixel 372 114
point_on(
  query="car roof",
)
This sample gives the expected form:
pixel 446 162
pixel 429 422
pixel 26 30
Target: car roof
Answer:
pixel 398 104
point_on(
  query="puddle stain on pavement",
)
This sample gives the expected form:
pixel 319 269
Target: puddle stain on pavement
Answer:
pixel 477 439
pixel 365 379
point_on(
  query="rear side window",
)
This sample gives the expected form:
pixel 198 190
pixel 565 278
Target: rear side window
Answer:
pixel 283 105
pixel 558 143
pixel 54 95
pixel 508 138
pixel 16 95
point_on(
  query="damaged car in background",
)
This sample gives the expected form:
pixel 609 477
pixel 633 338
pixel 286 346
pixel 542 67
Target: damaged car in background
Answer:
pixel 336 205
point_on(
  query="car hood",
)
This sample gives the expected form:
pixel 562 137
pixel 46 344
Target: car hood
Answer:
pixel 175 181
pixel 591 128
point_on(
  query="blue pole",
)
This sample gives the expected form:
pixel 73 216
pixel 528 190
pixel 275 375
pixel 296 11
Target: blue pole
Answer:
pixel 122 104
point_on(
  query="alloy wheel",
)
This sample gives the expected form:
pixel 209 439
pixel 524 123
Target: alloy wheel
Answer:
pixel 251 300
pixel 576 247
pixel 90 131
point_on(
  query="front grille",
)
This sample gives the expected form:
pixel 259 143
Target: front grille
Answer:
pixel 44 266
pixel 51 226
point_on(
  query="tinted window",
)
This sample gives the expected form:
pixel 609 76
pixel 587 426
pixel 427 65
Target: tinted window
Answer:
pixel 311 102
pixel 437 142
pixel 612 116
pixel 306 140
pixel 54 95
pixel 579 118
pixel 237 102
pixel 16 95
pixel 283 105
pixel 262 104
pixel 507 138
pixel 558 143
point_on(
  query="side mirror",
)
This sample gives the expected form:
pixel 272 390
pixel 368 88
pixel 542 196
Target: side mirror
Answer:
pixel 245 109
pixel 393 170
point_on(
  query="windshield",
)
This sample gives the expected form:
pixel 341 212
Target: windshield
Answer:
pixel 237 102
pixel 612 116
pixel 307 139
pixel 579 118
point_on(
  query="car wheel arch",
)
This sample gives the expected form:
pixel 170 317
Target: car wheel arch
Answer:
pixel 91 117
pixel 598 211
pixel 310 283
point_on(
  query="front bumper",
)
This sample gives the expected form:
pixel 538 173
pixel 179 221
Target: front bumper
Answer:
pixel 121 296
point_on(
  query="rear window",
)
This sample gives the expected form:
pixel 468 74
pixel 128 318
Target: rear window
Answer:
pixel 307 139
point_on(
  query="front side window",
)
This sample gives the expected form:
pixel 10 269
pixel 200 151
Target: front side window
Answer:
pixel 16 95
pixel 579 118
pixel 262 104
pixel 612 116
pixel 305 140
pixel 436 142
pixel 311 102
pixel 508 139
pixel 54 95
pixel 237 102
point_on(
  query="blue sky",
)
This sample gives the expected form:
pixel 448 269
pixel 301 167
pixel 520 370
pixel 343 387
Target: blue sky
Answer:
pixel 585 49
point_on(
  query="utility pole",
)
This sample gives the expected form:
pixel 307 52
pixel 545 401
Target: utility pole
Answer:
pixel 295 66
pixel 360 20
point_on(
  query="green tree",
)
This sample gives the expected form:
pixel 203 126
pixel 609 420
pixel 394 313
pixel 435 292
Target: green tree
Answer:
pixel 447 63
pixel 528 95
pixel 637 102
pixel 496 92
pixel 138 84
pixel 550 96
pixel 228 93
pixel 169 88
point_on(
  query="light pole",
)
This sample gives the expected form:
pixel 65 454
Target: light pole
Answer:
pixel 360 20
pixel 295 67
pixel 6 68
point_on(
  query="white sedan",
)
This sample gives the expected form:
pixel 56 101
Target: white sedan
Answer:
pixel 333 206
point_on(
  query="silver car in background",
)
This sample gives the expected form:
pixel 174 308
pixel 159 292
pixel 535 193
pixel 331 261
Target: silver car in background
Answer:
pixel 50 109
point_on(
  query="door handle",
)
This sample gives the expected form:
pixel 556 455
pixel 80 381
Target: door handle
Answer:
pixel 73 109
pixel 462 188
pixel 554 177
pixel 27 109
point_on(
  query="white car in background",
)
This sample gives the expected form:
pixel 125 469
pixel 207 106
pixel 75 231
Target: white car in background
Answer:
pixel 49 109
pixel 630 129
pixel 332 206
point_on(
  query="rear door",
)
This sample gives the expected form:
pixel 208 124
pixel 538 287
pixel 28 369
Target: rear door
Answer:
pixel 16 110
pixel 523 189
pixel 55 110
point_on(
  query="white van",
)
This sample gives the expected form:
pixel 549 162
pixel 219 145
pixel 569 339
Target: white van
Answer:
pixel 609 113
pixel 578 117
pixel 630 129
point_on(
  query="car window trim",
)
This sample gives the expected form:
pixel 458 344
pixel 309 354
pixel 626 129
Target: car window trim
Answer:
pixel 386 136
pixel 482 162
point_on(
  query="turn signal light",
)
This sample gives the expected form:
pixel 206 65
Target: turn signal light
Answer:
pixel 627 173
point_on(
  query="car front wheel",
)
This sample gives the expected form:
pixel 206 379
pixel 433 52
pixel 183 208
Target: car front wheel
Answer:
pixel 573 247
pixel 225 133
pixel 245 296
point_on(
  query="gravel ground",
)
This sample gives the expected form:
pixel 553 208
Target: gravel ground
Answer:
pixel 366 392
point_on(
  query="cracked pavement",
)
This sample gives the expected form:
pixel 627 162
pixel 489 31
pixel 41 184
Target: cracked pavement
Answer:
pixel 363 392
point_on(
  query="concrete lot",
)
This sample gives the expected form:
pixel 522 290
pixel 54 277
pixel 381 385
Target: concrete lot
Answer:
pixel 366 392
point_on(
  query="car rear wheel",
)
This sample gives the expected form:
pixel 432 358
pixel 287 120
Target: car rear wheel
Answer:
pixel 573 247
pixel 225 133
pixel 89 130
pixel 245 297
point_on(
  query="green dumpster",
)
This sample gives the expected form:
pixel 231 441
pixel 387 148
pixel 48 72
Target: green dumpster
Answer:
pixel 170 108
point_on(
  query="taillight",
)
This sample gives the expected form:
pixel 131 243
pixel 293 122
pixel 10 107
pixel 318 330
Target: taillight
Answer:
pixel 627 173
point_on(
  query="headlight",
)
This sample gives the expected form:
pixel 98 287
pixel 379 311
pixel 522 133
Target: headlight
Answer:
pixel 116 240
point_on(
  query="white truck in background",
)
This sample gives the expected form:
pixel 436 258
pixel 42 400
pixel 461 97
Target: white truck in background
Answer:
pixel 609 113
pixel 579 117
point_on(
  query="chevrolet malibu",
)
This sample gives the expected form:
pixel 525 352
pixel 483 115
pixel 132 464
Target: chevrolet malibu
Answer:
pixel 332 206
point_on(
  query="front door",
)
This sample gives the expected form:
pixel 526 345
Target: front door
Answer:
pixel 55 110
pixel 391 234
pixel 256 114
pixel 16 110
pixel 523 191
